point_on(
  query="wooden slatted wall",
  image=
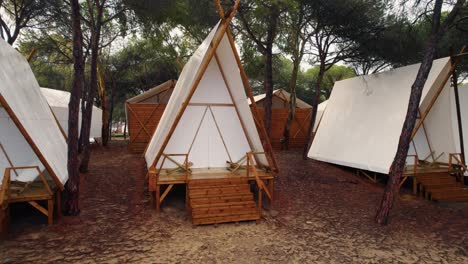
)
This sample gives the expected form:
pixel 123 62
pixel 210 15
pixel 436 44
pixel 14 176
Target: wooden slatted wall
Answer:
pixel 142 122
pixel 299 129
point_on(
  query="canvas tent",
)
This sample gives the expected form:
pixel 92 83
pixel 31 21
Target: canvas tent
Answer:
pixel 364 118
pixel 207 116
pixel 143 113
pixel 29 135
pixel 208 133
pixel 58 101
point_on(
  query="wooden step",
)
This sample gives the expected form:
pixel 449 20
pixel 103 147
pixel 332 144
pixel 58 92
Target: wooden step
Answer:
pixel 221 200
pixel 442 186
pixel 208 202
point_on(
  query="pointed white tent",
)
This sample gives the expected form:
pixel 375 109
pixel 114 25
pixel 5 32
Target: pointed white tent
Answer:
pixel 364 118
pixel 28 131
pixel 58 101
pixel 207 116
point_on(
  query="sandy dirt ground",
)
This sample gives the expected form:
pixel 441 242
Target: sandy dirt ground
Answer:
pixel 322 214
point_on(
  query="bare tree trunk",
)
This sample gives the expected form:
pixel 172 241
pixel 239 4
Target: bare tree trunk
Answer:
pixel 396 170
pixel 105 125
pixel 292 106
pixel 88 114
pixel 72 187
pixel 313 116
pixel 268 87
pixel 111 107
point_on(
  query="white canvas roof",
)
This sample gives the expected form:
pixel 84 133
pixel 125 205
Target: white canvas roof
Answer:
pixel 25 111
pixel 217 124
pixel 283 95
pixel 364 118
pixel 320 110
pixel 58 101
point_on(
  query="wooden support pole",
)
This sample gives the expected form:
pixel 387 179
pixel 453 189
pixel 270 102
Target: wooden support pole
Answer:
pixel 50 209
pixel 158 201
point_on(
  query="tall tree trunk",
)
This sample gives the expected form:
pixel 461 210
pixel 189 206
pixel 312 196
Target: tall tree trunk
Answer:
pixel 292 106
pixel 396 170
pixel 72 187
pixel 268 87
pixel 313 115
pixel 268 81
pixel 83 109
pixel 111 107
pixel 88 114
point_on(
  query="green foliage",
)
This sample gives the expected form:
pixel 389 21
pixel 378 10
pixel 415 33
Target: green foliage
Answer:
pixel 334 74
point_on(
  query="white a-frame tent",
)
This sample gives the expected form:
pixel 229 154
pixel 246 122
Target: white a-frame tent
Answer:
pixel 29 133
pixel 58 101
pixel 364 118
pixel 208 117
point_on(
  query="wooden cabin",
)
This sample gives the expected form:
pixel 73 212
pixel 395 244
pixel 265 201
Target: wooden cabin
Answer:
pixel 207 139
pixel 279 117
pixel 144 112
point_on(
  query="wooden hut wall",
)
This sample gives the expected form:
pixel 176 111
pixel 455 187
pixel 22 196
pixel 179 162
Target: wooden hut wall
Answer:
pixel 299 129
pixel 142 122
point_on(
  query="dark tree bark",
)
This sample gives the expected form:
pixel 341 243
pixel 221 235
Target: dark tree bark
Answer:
pixel 265 47
pixel 396 170
pixel 96 23
pixel 315 103
pixel 111 107
pixel 268 88
pixel 299 41
pixel 72 187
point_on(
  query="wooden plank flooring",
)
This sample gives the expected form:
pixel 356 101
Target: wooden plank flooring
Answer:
pixel 214 201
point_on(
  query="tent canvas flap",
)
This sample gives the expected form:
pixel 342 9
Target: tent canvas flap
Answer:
pixel 20 94
pixel 364 117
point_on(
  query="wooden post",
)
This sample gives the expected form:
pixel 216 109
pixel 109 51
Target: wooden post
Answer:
pixel 271 188
pixel 58 203
pixel 50 211
pixel 158 197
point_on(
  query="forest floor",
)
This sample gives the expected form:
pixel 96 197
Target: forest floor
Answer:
pixel 322 213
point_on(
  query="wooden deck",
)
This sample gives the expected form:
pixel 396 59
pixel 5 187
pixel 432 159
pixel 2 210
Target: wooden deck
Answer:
pixel 180 177
pixel 438 181
pixel 214 195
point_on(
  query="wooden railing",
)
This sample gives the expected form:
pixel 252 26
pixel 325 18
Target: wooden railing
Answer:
pixel 184 166
pixel 458 158
pixel 261 185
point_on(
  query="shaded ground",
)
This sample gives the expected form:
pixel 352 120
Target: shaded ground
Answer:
pixel 322 214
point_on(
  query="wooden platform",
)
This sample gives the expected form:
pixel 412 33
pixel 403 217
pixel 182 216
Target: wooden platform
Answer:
pixel 215 195
pixel 441 186
pixel 214 201
pixel 180 177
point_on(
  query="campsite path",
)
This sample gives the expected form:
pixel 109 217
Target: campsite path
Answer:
pixel 322 214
